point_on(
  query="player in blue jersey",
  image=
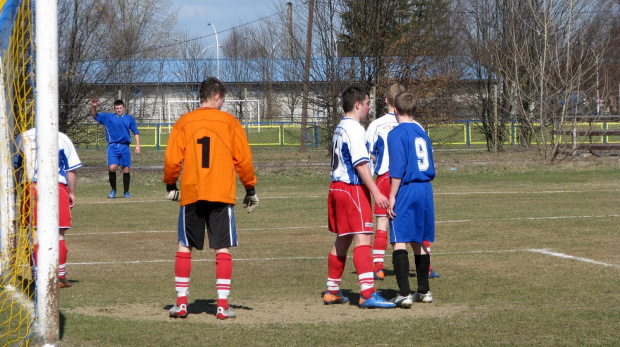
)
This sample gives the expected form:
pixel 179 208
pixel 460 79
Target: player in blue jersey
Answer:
pixel 411 207
pixel 117 126
pixel 349 211
pixel 68 162
pixel 376 136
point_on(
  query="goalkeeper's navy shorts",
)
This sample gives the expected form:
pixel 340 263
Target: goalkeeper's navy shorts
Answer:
pixel 216 219
pixel 348 209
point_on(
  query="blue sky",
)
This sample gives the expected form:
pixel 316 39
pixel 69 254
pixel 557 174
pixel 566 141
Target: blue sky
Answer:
pixel 193 15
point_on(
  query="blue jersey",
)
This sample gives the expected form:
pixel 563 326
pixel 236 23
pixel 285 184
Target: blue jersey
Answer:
pixel 411 154
pixel 117 128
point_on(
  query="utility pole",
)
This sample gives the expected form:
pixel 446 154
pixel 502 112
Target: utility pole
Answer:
pixel 289 27
pixel 304 106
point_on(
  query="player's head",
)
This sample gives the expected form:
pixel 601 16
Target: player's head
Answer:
pixel 405 104
pixel 214 90
pixel 392 91
pixel 119 107
pixel 356 98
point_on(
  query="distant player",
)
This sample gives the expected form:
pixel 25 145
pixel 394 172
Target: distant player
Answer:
pixel 349 211
pixel 376 136
pixel 210 146
pixel 68 162
pixel 117 126
pixel 411 207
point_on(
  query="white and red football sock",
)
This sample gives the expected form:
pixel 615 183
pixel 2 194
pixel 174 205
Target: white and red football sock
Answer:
pixel 182 270
pixel 362 259
pixel 62 259
pixel 223 276
pixel 335 269
pixel 379 246
pixel 428 249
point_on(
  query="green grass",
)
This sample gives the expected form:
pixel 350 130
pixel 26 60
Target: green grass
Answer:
pixel 493 291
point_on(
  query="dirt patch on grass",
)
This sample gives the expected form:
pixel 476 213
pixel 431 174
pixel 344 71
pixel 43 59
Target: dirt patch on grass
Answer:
pixel 257 313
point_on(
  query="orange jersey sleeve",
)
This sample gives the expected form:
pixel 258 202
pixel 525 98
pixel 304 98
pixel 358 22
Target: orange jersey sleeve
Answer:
pixel 210 147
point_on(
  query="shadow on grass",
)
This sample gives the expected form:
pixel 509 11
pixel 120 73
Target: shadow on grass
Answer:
pixel 208 306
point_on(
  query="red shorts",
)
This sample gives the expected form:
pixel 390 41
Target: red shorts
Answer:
pixel 28 209
pixel 348 209
pixel 383 182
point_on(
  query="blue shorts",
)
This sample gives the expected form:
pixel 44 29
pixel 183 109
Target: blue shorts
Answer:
pixel 119 154
pixel 415 214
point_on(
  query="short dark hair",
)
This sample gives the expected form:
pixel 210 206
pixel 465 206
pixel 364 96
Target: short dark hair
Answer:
pixel 406 103
pixel 210 87
pixel 119 102
pixel 352 94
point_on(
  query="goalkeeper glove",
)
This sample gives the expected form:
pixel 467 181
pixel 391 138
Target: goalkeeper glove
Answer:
pixel 172 192
pixel 251 200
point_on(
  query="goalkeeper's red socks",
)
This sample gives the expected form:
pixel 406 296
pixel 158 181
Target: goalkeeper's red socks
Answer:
pixel 223 276
pixel 182 270
pixel 362 258
pixel 335 269
pixel 379 246
pixel 62 259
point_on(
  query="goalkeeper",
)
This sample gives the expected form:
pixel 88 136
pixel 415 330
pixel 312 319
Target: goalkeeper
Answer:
pixel 210 146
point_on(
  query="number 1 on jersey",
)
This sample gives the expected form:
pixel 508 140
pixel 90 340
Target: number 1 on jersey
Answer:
pixel 206 150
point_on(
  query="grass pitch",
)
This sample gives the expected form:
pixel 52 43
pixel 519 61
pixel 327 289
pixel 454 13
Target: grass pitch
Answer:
pixel 528 255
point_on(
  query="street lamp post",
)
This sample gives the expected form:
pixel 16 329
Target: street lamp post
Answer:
pixel 217 49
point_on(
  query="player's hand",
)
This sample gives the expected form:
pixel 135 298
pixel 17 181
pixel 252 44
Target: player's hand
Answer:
pixel 390 209
pixel 137 149
pixel 381 200
pixel 251 200
pixel 172 192
pixel 94 102
pixel 71 200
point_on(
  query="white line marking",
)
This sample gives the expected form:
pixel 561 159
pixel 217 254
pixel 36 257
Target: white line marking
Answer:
pixel 541 251
pixel 124 201
pixel 325 226
pixel 572 257
pixel 270 259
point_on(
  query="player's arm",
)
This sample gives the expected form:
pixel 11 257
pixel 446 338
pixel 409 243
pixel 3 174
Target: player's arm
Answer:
pixel 71 179
pixel 137 137
pixel 174 156
pixel 242 158
pixel 364 171
pixel 93 111
pixel 394 186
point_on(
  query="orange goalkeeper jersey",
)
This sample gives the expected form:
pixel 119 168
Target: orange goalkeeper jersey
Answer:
pixel 210 146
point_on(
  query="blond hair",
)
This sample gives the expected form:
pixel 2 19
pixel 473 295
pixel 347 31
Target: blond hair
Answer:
pixel 392 91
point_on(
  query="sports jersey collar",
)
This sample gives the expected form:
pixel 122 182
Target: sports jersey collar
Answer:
pixel 123 115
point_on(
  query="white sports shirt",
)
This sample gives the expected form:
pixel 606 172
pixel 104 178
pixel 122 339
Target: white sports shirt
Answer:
pixel 350 149
pixel 376 136
pixel 68 159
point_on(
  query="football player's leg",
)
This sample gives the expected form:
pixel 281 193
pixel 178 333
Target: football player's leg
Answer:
pixel 190 235
pixel 362 258
pixel 422 264
pixel 336 260
pixel 125 162
pixel 400 260
pixel 222 235
pixel 380 245
pixel 431 272
pixel 112 166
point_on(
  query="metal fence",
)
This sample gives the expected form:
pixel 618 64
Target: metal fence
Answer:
pixel 460 134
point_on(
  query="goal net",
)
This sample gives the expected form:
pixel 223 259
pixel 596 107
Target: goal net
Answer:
pixel 16 116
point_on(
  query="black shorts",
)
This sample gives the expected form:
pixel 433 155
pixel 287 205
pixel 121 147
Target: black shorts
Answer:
pixel 217 218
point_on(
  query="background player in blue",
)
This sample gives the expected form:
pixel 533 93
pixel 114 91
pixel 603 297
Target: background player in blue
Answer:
pixel 411 200
pixel 117 126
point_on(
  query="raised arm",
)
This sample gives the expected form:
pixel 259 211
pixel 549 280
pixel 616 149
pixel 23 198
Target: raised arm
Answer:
pixel 93 111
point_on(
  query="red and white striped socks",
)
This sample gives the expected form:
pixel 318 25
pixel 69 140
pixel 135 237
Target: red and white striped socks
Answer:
pixel 362 259
pixel 223 276
pixel 182 270
pixel 62 259
pixel 335 269
pixel 379 246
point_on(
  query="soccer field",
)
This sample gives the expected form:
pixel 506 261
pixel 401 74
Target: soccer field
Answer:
pixel 527 256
